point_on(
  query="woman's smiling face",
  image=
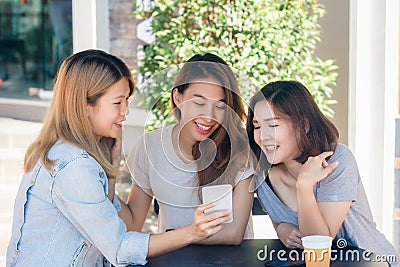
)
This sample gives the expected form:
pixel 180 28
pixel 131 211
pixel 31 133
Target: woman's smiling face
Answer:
pixel 110 110
pixel 275 135
pixel 202 107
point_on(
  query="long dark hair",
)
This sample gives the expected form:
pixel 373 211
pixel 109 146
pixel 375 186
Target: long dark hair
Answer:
pixel 292 101
pixel 230 139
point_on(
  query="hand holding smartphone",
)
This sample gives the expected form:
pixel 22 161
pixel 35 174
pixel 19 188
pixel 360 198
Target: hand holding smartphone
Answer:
pixel 221 194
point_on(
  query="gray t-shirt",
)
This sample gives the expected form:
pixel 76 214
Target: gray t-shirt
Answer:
pixel 343 184
pixel 156 167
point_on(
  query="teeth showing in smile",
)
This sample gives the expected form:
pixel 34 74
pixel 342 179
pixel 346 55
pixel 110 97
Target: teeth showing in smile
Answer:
pixel 119 124
pixel 202 127
pixel 271 147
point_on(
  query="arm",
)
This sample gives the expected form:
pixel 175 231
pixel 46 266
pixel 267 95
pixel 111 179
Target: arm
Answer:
pixel 112 148
pixel 202 227
pixel 136 209
pixel 232 233
pixel 289 234
pixel 78 193
pixel 275 225
pixel 134 213
pixel 323 218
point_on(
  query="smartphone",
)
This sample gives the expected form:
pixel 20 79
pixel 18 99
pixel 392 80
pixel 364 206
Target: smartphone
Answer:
pixel 221 194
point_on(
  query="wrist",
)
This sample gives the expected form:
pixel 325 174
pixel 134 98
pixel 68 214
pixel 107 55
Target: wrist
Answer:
pixel 116 162
pixel 302 185
pixel 190 235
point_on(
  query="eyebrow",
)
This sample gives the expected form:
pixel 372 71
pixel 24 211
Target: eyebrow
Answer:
pixel 120 96
pixel 205 98
pixel 269 119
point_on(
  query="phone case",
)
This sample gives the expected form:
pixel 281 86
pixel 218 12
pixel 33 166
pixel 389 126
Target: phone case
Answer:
pixel 222 194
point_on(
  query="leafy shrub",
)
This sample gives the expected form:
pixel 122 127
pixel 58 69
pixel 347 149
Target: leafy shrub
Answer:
pixel 263 40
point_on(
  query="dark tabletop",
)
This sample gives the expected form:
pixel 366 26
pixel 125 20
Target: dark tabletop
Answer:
pixel 255 252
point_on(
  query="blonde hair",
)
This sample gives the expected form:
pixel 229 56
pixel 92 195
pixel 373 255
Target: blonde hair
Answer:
pixel 81 80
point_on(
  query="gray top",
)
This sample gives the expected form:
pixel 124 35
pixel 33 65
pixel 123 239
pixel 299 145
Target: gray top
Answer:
pixel 155 166
pixel 343 184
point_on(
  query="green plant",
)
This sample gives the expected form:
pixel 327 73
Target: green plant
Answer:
pixel 263 40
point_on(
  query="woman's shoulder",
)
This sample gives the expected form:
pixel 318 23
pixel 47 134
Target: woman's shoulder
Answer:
pixel 342 148
pixel 150 144
pixel 156 136
pixel 342 153
pixel 64 153
pixel 62 149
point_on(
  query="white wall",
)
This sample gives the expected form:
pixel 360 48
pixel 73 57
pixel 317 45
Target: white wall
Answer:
pixel 373 89
pixel 362 36
pixel 90 25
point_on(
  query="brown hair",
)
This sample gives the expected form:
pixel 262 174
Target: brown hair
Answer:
pixel 81 80
pixel 230 138
pixel 291 100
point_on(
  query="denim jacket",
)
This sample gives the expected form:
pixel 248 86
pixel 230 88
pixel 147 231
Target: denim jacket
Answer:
pixel 63 217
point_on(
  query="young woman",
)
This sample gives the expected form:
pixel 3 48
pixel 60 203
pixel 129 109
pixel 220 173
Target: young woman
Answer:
pixel 313 186
pixel 65 213
pixel 206 146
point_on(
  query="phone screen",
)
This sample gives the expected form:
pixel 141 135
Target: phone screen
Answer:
pixel 222 194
